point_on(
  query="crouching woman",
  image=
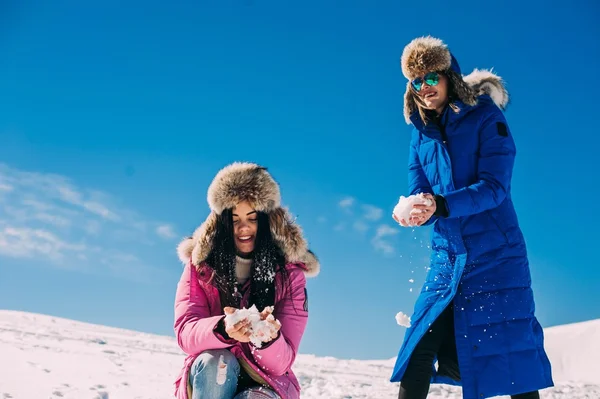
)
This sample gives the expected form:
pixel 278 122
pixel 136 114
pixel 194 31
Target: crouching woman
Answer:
pixel 248 252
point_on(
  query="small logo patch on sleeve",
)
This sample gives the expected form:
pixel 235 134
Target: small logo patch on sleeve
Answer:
pixel 305 300
pixel 502 130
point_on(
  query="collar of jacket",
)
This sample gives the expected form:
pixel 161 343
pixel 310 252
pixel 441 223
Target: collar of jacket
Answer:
pixel 453 114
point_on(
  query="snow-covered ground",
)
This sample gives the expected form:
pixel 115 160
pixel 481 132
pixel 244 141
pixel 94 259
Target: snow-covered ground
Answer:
pixel 44 357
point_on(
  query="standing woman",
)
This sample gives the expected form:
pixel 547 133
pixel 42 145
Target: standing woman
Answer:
pixel 475 313
pixel 248 252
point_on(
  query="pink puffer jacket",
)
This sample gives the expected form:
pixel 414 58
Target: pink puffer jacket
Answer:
pixel 198 309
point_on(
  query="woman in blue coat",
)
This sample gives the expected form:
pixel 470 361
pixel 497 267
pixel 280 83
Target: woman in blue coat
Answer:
pixel 474 322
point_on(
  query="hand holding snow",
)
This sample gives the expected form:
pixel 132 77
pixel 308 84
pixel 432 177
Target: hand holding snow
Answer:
pixel 403 320
pixel 261 330
pixel 405 206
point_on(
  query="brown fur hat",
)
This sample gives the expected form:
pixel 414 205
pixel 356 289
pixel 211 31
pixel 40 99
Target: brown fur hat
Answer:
pixel 247 181
pixel 425 54
pixel 429 54
pixel 243 181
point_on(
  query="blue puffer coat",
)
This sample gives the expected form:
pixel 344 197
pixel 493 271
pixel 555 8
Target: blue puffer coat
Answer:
pixel 479 259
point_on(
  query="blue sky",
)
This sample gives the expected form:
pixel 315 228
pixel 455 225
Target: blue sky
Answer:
pixel 114 120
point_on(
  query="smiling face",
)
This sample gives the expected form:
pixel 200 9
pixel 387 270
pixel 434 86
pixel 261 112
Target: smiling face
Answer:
pixel 435 97
pixel 245 226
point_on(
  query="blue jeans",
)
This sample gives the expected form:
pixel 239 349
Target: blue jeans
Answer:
pixel 214 375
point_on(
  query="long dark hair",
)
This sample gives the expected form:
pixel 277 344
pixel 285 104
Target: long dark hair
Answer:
pixel 267 261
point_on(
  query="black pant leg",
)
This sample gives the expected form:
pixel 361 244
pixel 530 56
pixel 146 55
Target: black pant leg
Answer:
pixel 417 378
pixel 528 395
pixel 448 355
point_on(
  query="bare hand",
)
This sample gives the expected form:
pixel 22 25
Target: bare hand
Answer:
pixel 239 331
pixel 402 222
pixel 275 325
pixel 421 213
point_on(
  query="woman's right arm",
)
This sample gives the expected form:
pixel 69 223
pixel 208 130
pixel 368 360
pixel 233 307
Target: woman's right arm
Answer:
pixel 417 180
pixel 195 329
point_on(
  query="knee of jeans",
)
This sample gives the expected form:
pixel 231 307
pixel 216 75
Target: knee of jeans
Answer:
pixel 257 392
pixel 210 360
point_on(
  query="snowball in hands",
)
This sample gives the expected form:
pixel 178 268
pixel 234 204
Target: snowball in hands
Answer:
pixel 261 330
pixel 405 206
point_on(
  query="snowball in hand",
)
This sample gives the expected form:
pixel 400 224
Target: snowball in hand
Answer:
pixel 405 206
pixel 403 320
pixel 260 330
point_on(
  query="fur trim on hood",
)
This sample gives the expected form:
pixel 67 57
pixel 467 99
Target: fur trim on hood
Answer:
pixel 487 82
pixel 429 54
pixel 247 181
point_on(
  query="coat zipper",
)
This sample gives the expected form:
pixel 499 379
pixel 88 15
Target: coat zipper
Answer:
pixel 444 142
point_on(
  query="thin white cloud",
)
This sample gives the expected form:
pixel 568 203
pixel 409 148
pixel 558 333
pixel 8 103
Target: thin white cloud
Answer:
pixel 38 205
pixel 367 220
pixel 368 216
pixel 384 230
pixel 346 203
pixel 55 188
pixel 24 242
pixel 71 195
pixel 101 210
pixel 372 213
pixel 340 226
pixel 165 231
pixel 361 226
pixel 383 246
pixel 55 220
pixel 49 218
pixel 92 227
pixel 25 214
pixel 379 241
pixel 322 219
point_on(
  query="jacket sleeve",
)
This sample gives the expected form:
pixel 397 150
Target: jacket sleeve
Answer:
pixel 417 181
pixel 278 356
pixel 195 328
pixel 494 170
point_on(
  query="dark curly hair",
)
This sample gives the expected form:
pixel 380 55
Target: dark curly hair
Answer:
pixel 267 261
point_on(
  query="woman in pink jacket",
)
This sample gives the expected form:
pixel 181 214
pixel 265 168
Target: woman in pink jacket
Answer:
pixel 247 252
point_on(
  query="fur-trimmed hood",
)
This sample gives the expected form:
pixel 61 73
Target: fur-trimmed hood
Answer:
pixel 487 82
pixel 247 181
pixel 429 54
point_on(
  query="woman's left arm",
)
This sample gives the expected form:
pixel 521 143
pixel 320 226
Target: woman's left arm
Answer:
pixel 494 170
pixel 277 357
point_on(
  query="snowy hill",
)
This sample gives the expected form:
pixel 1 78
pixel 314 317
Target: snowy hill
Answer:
pixel 44 357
